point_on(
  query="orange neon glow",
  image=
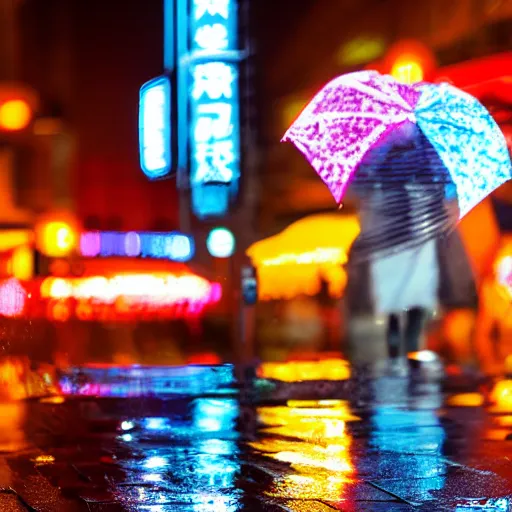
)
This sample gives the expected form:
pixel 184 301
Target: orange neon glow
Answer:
pixel 57 234
pixel 297 371
pixel 59 239
pixel 293 262
pixel 15 115
pixel 480 233
pixel 496 289
pixel 502 396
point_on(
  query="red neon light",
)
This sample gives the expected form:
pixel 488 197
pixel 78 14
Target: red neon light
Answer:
pixel 128 296
pixel 477 71
pixel 489 76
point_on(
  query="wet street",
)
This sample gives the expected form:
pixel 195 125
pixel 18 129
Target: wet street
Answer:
pixel 204 439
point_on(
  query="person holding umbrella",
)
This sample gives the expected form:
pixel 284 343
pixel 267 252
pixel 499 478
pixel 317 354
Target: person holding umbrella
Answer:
pixel 418 157
pixel 405 195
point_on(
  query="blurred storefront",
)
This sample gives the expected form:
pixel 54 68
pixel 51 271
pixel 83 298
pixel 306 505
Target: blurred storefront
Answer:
pixel 301 280
pixel 102 296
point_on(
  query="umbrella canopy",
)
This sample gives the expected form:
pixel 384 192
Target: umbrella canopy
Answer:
pixel 355 112
pixel 402 186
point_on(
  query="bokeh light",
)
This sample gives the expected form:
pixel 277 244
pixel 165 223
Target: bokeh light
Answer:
pixel 15 115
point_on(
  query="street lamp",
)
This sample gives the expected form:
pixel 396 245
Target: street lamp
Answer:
pixel 17 106
pixel 409 61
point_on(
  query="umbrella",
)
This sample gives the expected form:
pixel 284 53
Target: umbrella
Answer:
pixel 364 115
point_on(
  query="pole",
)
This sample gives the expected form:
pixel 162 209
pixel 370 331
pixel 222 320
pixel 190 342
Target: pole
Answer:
pixel 175 49
pixel 246 218
pixel 182 113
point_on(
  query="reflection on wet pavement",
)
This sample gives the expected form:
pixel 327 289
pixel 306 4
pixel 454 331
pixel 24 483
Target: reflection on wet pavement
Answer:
pixel 197 439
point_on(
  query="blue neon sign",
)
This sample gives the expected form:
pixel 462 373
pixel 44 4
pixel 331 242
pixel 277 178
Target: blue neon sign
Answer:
pixel 214 93
pixel 170 246
pixel 213 25
pixel 155 128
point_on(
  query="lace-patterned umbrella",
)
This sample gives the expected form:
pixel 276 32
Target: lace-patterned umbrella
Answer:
pixel 419 141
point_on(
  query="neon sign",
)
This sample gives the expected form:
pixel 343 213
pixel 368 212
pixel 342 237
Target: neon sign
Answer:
pixel 155 128
pixel 214 98
pixel 129 296
pixel 169 246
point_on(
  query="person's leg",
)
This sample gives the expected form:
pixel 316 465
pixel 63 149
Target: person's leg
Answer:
pixel 394 337
pixel 413 329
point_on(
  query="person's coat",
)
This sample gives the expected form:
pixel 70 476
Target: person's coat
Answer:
pixel 456 290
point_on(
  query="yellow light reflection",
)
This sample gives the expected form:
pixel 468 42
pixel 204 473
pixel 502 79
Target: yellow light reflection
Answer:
pixel 297 371
pixel 311 437
pixel 44 459
pixel 12 379
pixel 13 415
pixel 55 400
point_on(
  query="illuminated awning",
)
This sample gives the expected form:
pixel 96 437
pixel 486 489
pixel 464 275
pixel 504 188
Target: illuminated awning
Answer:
pixel 295 261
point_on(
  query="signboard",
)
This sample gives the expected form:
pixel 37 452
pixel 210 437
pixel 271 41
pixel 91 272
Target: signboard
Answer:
pixel 215 124
pixel 213 99
pixel 249 285
pixel 155 128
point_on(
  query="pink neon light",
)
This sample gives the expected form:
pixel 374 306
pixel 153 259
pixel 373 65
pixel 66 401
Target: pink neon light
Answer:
pixel 90 244
pixel 12 298
pixel 345 119
pixel 132 244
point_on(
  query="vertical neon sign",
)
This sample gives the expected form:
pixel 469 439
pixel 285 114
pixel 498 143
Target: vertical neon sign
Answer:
pixel 214 101
pixel 155 128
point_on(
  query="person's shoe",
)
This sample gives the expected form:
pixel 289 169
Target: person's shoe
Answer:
pixel 398 367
